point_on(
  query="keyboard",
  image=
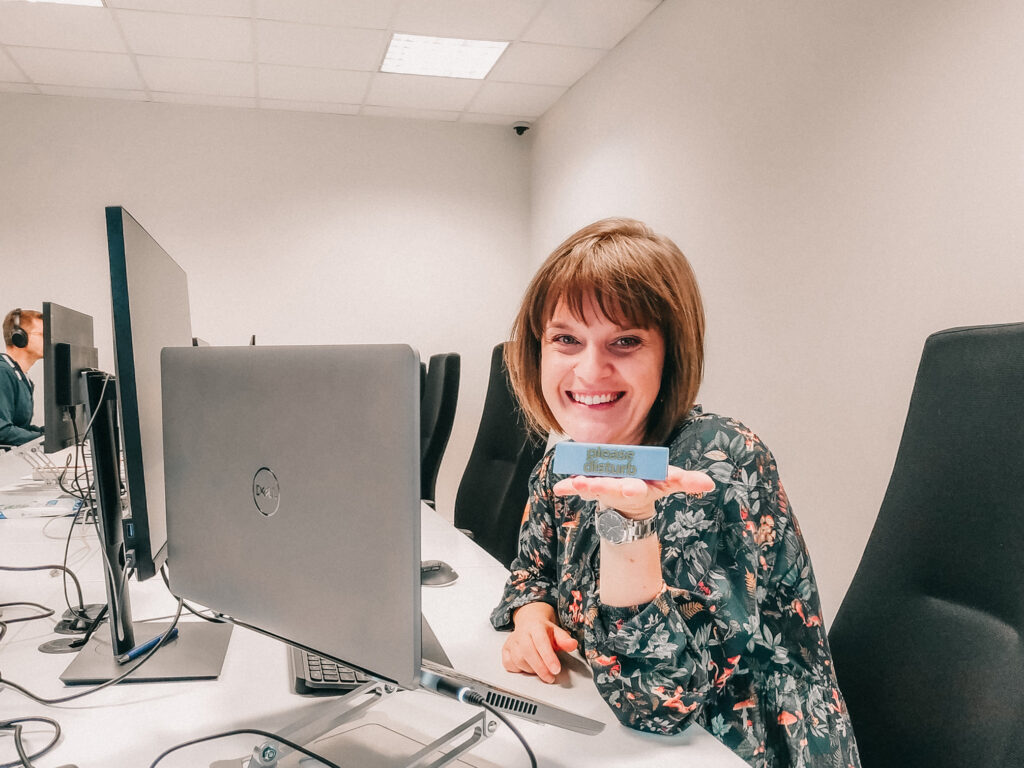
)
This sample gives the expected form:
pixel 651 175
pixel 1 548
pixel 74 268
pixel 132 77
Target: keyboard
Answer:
pixel 314 675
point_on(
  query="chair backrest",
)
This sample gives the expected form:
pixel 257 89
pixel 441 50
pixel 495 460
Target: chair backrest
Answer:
pixel 928 641
pixel 438 400
pixel 493 491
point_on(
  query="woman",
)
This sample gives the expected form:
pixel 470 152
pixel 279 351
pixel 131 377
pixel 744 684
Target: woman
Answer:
pixel 709 611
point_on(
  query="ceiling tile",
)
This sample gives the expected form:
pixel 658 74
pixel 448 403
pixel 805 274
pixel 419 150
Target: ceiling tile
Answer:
pixel 310 106
pixel 421 92
pixel 544 64
pixel 9 72
pixel 210 78
pixel 488 118
pixel 45 25
pixel 339 13
pixel 587 23
pixel 307 84
pixel 85 68
pixel 92 93
pixel 472 19
pixel 18 88
pixel 236 102
pixel 415 114
pixel 239 8
pixel 328 47
pixel 180 36
pixel 524 101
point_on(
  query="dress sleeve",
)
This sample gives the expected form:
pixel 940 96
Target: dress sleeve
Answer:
pixel 659 664
pixel 532 576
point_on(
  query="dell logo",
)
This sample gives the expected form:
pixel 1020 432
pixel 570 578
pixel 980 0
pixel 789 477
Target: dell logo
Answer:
pixel 266 491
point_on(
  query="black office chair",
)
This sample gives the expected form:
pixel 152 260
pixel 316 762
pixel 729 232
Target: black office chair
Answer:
pixel 438 399
pixel 928 641
pixel 493 491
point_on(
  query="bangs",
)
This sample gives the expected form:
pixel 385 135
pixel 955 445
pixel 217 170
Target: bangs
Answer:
pixel 625 297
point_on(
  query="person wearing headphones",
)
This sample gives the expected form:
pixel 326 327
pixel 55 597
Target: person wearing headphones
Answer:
pixel 23 337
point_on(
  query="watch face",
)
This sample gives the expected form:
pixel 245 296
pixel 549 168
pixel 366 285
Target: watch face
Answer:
pixel 611 526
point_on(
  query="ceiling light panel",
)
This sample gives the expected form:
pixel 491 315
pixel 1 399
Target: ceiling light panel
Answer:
pixel 441 56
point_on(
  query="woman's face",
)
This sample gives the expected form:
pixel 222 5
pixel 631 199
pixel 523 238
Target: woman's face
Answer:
pixel 600 379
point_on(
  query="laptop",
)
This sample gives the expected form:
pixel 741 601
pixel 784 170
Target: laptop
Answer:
pixel 292 487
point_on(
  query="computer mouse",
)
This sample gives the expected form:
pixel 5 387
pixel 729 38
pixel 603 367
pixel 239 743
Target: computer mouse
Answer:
pixel 436 573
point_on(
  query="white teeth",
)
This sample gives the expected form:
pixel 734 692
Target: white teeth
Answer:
pixel 593 399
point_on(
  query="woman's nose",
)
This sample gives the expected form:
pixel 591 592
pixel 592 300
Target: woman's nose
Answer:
pixel 592 364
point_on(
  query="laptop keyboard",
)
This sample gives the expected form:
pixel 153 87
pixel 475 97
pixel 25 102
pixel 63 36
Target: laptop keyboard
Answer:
pixel 317 676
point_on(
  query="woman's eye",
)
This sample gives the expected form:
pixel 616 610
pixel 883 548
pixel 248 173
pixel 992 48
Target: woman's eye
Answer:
pixel 564 338
pixel 627 342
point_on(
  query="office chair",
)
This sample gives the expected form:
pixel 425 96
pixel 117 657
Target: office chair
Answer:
pixel 438 399
pixel 493 491
pixel 928 640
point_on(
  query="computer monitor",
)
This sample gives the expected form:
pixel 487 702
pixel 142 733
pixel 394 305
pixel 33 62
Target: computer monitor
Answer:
pixel 149 298
pixel 67 351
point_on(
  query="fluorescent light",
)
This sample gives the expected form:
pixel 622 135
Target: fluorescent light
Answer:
pixel 441 56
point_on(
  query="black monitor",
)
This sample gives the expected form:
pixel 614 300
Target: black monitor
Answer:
pixel 149 298
pixel 67 351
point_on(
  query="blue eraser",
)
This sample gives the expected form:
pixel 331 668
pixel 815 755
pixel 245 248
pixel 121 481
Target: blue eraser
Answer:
pixel 646 462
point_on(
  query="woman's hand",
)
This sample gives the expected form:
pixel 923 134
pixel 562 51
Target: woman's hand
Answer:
pixel 633 497
pixel 532 646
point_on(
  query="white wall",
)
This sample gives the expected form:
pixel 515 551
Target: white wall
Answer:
pixel 846 177
pixel 299 228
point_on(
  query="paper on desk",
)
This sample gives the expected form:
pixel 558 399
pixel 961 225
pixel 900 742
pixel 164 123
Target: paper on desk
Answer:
pixel 62 505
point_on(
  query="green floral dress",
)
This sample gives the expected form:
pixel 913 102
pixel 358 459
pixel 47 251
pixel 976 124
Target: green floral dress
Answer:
pixel 735 641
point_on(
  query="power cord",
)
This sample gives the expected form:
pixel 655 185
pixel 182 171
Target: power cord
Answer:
pixel 15 724
pixel 47 612
pixel 240 732
pixel 142 660
pixel 472 697
pixel 212 619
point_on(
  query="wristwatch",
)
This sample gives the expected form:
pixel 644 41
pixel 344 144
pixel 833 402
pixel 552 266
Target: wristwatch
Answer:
pixel 616 528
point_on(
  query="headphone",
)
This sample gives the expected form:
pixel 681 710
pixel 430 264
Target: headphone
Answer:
pixel 19 338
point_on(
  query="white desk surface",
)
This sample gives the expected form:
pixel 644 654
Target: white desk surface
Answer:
pixel 129 725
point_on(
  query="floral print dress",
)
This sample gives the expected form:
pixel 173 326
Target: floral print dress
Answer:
pixel 735 640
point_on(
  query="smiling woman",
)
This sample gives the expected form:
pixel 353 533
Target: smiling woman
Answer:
pixel 702 607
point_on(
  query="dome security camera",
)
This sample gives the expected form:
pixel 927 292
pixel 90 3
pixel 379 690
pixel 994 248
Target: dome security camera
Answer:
pixel 520 128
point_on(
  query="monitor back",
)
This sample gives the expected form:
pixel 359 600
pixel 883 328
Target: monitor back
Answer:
pixel 292 485
pixel 150 308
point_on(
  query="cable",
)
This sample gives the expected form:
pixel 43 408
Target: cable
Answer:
pixel 78 585
pixel 47 611
pixel 212 619
pixel 14 724
pixel 473 697
pixel 239 732
pixel 142 660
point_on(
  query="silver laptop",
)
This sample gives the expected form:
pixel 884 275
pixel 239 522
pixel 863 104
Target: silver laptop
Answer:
pixel 292 488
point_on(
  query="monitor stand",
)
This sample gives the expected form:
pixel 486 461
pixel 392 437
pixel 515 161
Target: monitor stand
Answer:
pixel 197 653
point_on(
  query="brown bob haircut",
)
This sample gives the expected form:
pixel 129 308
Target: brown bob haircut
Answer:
pixel 638 279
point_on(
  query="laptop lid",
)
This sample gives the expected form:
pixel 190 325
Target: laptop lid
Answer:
pixel 292 488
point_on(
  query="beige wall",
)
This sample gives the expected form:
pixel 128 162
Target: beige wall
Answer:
pixel 846 177
pixel 299 228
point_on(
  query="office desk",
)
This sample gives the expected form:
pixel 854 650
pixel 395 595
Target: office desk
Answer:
pixel 129 725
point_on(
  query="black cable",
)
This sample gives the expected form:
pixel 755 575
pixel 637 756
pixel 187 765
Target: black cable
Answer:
pixel 189 608
pixel 240 732
pixel 15 724
pixel 64 568
pixel 142 660
pixel 80 642
pixel 473 697
pixel 47 611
